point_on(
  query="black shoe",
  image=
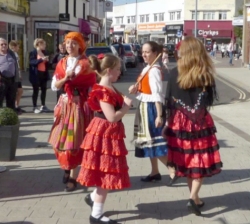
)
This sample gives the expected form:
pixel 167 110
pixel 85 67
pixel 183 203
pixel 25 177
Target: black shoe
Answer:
pixel 171 181
pixel 70 189
pixel 88 200
pixel 192 207
pixel 93 220
pixel 201 205
pixel 156 177
pixel 66 176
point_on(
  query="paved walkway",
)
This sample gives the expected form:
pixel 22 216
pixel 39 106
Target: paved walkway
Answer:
pixel 31 191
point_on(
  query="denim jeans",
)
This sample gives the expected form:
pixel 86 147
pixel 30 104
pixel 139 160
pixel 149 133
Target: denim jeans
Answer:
pixel 231 57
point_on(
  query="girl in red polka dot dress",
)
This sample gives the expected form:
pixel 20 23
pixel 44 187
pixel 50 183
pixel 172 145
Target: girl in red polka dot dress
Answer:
pixel 104 162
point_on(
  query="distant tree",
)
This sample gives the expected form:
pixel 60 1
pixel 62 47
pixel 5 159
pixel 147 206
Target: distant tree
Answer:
pixel 238 30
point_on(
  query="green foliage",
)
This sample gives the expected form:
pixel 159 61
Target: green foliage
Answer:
pixel 238 31
pixel 8 117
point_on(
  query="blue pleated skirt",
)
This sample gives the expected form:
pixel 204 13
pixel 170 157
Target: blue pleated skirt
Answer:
pixel 148 139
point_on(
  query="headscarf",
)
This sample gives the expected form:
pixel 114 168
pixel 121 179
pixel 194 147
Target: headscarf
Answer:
pixel 79 38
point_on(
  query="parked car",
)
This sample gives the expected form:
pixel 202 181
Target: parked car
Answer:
pixel 130 57
pixel 171 49
pixel 103 50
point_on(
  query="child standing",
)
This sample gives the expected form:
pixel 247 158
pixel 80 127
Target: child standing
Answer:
pixel 165 60
pixel 104 162
pixel 14 46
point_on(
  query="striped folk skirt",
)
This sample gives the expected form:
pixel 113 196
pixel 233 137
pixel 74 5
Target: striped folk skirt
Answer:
pixel 148 139
pixel 68 132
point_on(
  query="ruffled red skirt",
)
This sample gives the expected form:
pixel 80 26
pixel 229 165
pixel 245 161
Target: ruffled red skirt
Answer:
pixel 69 159
pixel 193 148
pixel 104 161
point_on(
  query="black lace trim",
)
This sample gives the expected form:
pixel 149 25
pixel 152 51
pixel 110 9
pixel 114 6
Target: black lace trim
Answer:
pixel 204 172
pixel 195 151
pixel 191 135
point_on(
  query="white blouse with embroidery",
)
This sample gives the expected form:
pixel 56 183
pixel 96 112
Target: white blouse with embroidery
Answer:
pixel 155 83
pixel 71 61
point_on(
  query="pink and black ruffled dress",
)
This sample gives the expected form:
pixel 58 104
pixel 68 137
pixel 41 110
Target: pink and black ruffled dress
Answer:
pixel 193 148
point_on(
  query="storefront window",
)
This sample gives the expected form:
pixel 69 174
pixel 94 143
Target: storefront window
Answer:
pixel 50 36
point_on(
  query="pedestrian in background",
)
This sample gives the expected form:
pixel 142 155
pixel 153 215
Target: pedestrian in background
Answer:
pixel 121 53
pixel 61 54
pixel 230 49
pixel 177 47
pixel 9 75
pixel 149 117
pixel 223 49
pixel 14 46
pixel 190 131
pixel 165 59
pixel 39 74
pixel 104 164
pixel 72 113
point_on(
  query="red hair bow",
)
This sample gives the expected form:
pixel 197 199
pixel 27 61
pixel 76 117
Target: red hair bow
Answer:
pixel 100 56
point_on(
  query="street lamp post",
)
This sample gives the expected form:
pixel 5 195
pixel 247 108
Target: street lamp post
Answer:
pixel 136 22
pixel 196 17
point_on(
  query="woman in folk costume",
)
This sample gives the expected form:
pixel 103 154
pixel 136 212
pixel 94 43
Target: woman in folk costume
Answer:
pixel 104 164
pixel 190 130
pixel 72 114
pixel 149 121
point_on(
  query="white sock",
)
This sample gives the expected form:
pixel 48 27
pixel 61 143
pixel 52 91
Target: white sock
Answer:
pixel 92 195
pixel 97 211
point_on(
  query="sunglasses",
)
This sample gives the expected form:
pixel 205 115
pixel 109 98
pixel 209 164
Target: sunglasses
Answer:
pixel 3 44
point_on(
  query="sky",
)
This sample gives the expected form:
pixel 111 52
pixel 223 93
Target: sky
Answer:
pixel 122 2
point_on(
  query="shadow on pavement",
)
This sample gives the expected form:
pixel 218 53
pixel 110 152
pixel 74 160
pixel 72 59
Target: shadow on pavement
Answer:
pixel 169 210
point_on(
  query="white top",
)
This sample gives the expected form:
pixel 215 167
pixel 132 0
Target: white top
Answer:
pixel 223 48
pixel 71 61
pixel 230 47
pixel 214 47
pixel 165 58
pixel 155 83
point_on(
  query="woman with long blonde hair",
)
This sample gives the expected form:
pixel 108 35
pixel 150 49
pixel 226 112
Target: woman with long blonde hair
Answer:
pixel 190 131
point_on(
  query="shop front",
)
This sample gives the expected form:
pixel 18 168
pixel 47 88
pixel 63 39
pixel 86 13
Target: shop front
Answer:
pixel 174 33
pixel 53 33
pixel 12 27
pixel 130 32
pixel 118 32
pixel 151 31
pixel 95 27
pixel 219 31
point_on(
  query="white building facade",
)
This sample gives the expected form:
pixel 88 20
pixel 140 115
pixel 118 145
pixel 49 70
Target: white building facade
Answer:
pixel 215 19
pixel 157 20
pixel 75 15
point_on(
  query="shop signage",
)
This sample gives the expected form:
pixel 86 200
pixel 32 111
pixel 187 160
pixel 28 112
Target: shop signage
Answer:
pixel 208 32
pixel 64 17
pixel 248 14
pixel 151 26
pixel 174 27
pixel 45 25
pixel 108 6
pixel 237 21
pixel 119 28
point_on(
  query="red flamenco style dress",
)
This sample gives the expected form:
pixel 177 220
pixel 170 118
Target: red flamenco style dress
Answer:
pixel 193 148
pixel 104 161
pixel 72 119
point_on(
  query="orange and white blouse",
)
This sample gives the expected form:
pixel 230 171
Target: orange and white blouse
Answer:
pixel 151 87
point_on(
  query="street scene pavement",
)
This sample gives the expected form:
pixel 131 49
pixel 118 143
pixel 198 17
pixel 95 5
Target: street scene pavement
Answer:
pixel 31 190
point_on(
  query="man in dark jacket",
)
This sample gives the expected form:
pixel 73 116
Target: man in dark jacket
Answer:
pixel 9 75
